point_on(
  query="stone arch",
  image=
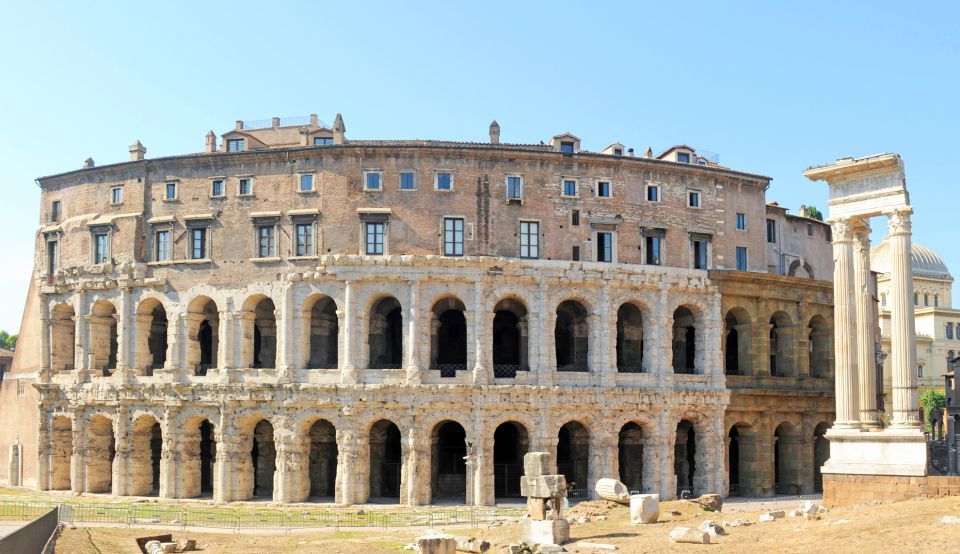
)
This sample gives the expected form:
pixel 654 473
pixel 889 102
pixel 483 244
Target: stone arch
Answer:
pixel 385 335
pixel 688 339
pixel 744 467
pixel 198 443
pixel 61 452
pixel 787 474
pixel 63 338
pixel 738 342
pixel 820 347
pixel 101 451
pixel 386 460
pixel 630 456
pixel 320 448
pixel 573 455
pixel 146 448
pixel 801 269
pixel 510 443
pixel 448 336
pixel 203 334
pixel 572 336
pixel 259 324
pixel 821 453
pixel 510 342
pixel 256 463
pixel 630 339
pixel 103 336
pixel 320 333
pixel 448 470
pixel 687 459
pixel 781 339
pixel 151 335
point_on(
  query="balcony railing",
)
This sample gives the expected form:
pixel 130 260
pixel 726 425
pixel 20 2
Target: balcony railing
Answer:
pixel 507 370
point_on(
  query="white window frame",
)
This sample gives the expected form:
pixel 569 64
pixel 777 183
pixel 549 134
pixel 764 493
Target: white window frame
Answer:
pixel 699 204
pixel 206 242
pixel 156 245
pixel 613 246
pixel 647 193
pixel 644 251
pixel 116 195
pixel 436 180
pixel 506 184
pixel 313 182
pixel 693 254
pixel 273 248
pixel 400 175
pixel 366 181
pixel 746 258
pixel 311 251
pixel 596 188
pixel 463 236
pixel 530 246
pixel 240 180
pixel 176 190
pixel 94 234
pixel 223 187
pixel 383 242
pixel 737 218
pixel 563 187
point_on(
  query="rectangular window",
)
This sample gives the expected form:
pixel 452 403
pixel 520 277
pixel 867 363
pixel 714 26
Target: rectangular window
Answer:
pixel 171 191
pixel 652 245
pixel 234 145
pixel 444 181
pixel 575 218
pixel 53 257
pixel 198 244
pixel 741 222
pixel 216 188
pixel 322 141
pixel 116 195
pixel 304 239
pixel 162 252
pixel 569 188
pixel 21 387
pixel 452 236
pixel 575 255
pixel 514 187
pixel 741 258
pixel 693 199
pixel 407 181
pixel 266 241
pixel 101 248
pixel 566 147
pixel 245 187
pixel 653 193
pixel 683 157
pixel 306 183
pixel 374 238
pixel 529 239
pixel 603 189
pixel 372 180
pixel 920 371
pixel 604 247
pixel 699 254
pixel 949 330
pixel 809 229
pixel 771 231
pixel 55 211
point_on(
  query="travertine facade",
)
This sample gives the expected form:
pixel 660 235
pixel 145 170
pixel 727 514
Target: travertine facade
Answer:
pixel 299 316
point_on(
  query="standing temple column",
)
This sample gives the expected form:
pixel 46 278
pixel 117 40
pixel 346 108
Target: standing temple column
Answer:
pixel 845 327
pixel 903 356
pixel 866 363
pixel 348 373
pixel 413 353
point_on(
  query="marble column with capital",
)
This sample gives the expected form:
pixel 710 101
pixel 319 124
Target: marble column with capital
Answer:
pixel 903 355
pixel 845 326
pixel 866 360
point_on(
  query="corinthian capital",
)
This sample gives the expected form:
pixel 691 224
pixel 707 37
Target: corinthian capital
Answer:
pixel 861 236
pixel 842 230
pixel 899 221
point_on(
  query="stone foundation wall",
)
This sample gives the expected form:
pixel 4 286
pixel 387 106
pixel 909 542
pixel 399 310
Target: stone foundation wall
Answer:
pixel 846 490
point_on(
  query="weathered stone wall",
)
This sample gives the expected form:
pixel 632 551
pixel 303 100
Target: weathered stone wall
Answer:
pixel 846 489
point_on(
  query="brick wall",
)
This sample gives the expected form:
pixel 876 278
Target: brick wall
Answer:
pixel 846 490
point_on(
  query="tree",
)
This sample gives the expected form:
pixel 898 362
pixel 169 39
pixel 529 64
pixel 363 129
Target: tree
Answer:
pixel 812 212
pixel 8 341
pixel 932 401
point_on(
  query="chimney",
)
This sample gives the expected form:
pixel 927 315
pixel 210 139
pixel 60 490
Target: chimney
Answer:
pixel 304 136
pixel 314 120
pixel 239 125
pixel 494 132
pixel 275 122
pixel 137 152
pixel 649 153
pixel 211 142
pixel 630 152
pixel 339 129
pixel 87 163
pixel 803 210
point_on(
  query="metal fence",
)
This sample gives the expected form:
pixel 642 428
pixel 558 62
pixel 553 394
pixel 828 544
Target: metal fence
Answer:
pixel 254 518
pixel 743 504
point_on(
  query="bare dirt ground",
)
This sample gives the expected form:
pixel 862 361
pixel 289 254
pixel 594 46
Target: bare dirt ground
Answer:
pixel 889 528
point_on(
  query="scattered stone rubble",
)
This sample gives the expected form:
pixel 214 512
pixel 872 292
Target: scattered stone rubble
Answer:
pixel 688 535
pixel 644 508
pixel 712 528
pixel 611 489
pixel 771 516
pixel 949 520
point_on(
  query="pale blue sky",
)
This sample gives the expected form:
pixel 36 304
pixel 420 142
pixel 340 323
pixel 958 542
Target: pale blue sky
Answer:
pixel 773 88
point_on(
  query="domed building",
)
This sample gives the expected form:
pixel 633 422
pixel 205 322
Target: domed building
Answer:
pixel 937 322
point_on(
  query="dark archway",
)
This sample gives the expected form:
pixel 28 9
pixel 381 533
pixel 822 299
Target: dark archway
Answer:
pixel 103 337
pixel 738 352
pixel 322 331
pixel 448 467
pixel 684 341
pixel 448 345
pixel 203 324
pixel 263 455
pixel 62 334
pixel 510 444
pixel 685 458
pixel 101 451
pixel 509 338
pixel 385 337
pixel 263 350
pixel 322 457
pixel 733 461
pixel 786 460
pixel 630 456
pixel 818 347
pixel 781 339
pixel 573 456
pixel 208 457
pixel 821 453
pixel 61 452
pixel 386 460
pixel 629 339
pixel 571 336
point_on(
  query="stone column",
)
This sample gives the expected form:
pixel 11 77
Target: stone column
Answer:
pixel 667 435
pixel 292 469
pixel 286 346
pixel 866 361
pixel 169 454
pixel 348 462
pixel 845 327
pixel 664 338
pixel 174 338
pixel 413 351
pixel 226 339
pixel 123 328
pixel 80 333
pixel 228 446
pixel 123 452
pixel 903 356
pixel 45 339
pixel 348 373
pixel 78 474
pixel 606 371
pixel 546 358
pixel 482 322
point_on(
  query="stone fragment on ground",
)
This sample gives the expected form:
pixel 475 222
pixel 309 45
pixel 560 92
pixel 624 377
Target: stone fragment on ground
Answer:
pixel 644 508
pixel 472 545
pixel 738 523
pixel 437 543
pixel 688 535
pixel 614 490
pixel 710 502
pixel 712 528
pixel 949 520
pixel 771 516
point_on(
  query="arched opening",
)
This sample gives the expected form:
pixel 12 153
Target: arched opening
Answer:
pixel 801 270
pixel 821 453
pixel 203 324
pixel 147 447
pixel 818 347
pixel 629 339
pixel 101 450
pixel 322 330
pixel 573 457
pixel 263 456
pixel 61 452
pixel 448 338
pixel 386 460
pixel 259 332
pixel 509 338
pixel 781 342
pixel 103 336
pixel 151 336
pixel 322 457
pixel 630 456
pixel 685 458
pixel 571 335
pixel 385 337
pixel 786 456
pixel 743 466
pixel 199 452
pixel 738 354
pixel 510 444
pixel 448 467
pixel 63 339
pixel 733 461
pixel 684 341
